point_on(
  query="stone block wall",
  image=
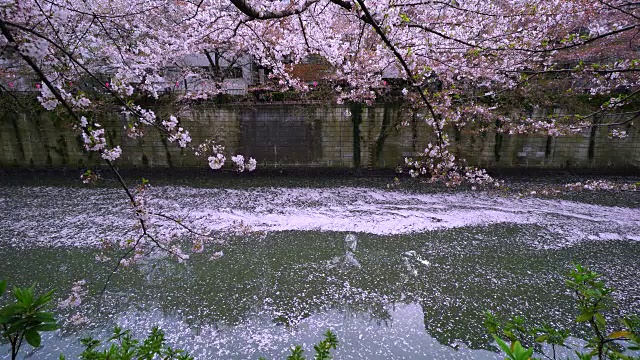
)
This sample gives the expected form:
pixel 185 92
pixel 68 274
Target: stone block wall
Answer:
pixel 306 135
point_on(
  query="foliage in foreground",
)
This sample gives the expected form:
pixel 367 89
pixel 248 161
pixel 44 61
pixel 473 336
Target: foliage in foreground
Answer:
pixel 122 346
pixel 593 301
pixel 26 318
pixel 322 349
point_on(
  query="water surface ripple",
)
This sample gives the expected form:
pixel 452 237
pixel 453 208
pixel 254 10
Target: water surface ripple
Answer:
pixel 54 216
pixel 396 274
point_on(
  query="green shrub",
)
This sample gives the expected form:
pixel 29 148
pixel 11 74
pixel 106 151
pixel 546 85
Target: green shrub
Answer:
pixel 122 346
pixel 322 349
pixel 593 300
pixel 26 318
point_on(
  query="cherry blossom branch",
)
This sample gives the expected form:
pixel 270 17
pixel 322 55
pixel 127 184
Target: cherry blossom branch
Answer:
pixel 405 67
pixel 179 222
pixel 574 70
pixel 55 31
pixel 250 11
pixel 619 9
pixel 444 36
pixel 114 94
pixel 637 115
pixel 118 264
pixel 511 49
pixel 577 44
pixel 69 109
pixel 304 33
pixel 105 16
pixel 7 34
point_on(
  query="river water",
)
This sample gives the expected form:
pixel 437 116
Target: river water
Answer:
pixel 400 273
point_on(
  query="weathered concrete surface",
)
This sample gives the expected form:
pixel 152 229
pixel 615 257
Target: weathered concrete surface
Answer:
pixel 298 135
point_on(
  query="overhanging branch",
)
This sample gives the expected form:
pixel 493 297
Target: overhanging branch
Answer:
pixel 253 13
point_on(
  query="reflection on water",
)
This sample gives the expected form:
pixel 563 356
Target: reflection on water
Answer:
pixel 403 295
pixel 349 257
pixel 417 296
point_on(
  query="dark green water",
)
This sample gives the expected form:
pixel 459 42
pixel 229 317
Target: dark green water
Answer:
pixel 412 295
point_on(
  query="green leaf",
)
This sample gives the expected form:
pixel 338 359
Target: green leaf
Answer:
pixel 296 353
pixel 600 320
pixel 510 335
pixel 583 356
pixel 46 327
pixel 619 334
pixel 44 299
pixel 542 338
pixel 18 293
pixel 520 352
pixel 33 337
pixel 502 344
pixel 16 325
pixel 3 287
pixel 45 317
pixel 585 316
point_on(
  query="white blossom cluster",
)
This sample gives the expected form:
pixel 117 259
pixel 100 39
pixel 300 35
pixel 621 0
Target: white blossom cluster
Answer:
pixel 215 153
pixel 238 161
pixel 112 154
pixel 134 131
pixel 181 136
pixel 147 117
pixel 438 165
pixel 78 291
pixel 594 185
pixel 94 139
pixel 240 164
pixel 140 202
pixel 35 48
pixel 47 99
pixel 548 127
pixel 198 244
pixel 122 88
pixel 618 134
pixel 89 177
pixel 251 164
pixel 216 162
pixel 216 158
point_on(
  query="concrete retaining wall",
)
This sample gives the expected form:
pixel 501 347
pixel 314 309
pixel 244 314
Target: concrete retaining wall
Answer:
pixel 284 135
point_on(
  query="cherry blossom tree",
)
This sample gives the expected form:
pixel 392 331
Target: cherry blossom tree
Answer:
pixel 457 64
